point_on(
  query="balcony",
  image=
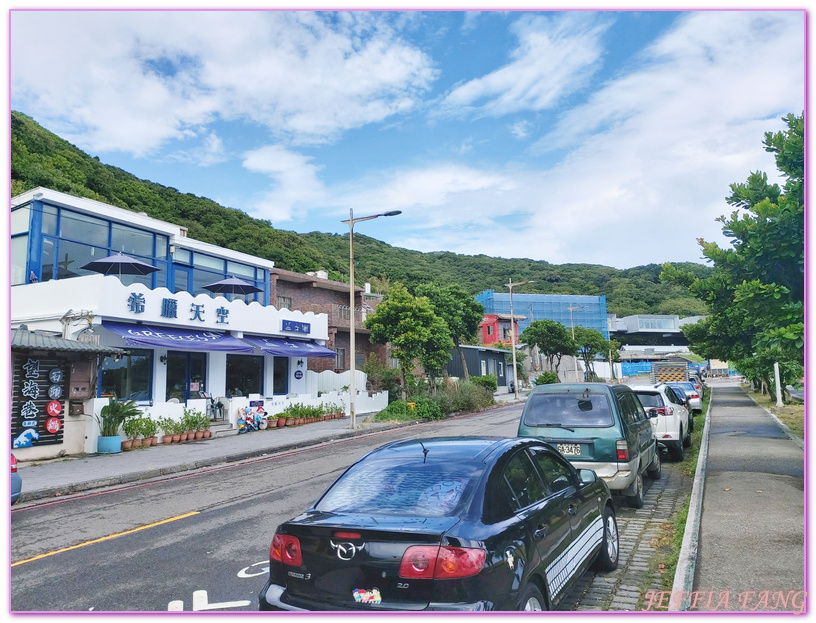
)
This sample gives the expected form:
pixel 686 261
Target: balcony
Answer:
pixel 339 317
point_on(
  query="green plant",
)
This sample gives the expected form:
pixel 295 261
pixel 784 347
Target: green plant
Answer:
pixel 546 378
pixel 167 425
pixel 150 427
pixel 191 420
pixel 114 414
pixel 489 382
pixel 464 397
pixel 132 427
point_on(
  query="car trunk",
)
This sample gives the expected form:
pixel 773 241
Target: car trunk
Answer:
pixel 347 567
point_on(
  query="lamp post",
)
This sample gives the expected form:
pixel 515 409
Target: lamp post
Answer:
pixel 572 328
pixel 513 333
pixel 352 346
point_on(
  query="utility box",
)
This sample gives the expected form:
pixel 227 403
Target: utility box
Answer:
pixel 80 385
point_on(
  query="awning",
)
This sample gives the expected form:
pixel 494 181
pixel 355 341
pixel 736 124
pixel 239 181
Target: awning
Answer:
pixel 281 347
pixel 177 338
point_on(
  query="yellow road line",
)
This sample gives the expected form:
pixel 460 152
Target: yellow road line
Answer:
pixel 104 538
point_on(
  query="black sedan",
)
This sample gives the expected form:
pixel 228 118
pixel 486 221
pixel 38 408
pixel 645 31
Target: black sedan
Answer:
pixel 448 523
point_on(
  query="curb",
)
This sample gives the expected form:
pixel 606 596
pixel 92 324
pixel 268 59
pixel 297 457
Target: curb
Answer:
pixel 687 559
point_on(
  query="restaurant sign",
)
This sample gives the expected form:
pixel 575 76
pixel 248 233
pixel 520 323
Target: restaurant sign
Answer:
pixel 38 392
pixel 292 326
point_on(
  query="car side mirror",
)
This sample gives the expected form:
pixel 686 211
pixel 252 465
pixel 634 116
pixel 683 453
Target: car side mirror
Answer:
pixel 587 476
pixel 652 413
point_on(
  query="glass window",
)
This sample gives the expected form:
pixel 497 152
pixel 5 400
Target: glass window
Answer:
pixel 285 302
pixel 19 220
pixel 207 261
pixel 131 241
pixel 244 375
pixel 490 329
pixel 19 255
pixel 491 367
pixel 49 221
pixel 203 278
pixel 557 475
pixel 129 378
pixel 573 410
pixel 72 256
pixel 501 368
pixel 161 246
pixel 241 270
pixel 650 400
pixel 183 256
pixel 49 258
pixel 340 359
pixel 86 228
pixel 521 483
pixel 280 376
pixel 419 488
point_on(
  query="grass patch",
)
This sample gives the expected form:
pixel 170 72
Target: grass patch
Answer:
pixel 792 415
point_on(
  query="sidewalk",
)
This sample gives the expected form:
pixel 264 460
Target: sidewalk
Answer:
pixel 69 475
pixel 751 542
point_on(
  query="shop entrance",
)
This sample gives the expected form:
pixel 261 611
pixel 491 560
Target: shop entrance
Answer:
pixel 186 372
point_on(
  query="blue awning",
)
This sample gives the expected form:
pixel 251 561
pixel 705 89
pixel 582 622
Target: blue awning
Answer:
pixel 177 338
pixel 281 347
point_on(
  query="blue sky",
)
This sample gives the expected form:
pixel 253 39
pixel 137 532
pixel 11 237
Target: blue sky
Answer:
pixel 604 137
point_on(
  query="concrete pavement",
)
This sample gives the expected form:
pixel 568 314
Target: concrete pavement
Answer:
pixel 76 474
pixel 752 528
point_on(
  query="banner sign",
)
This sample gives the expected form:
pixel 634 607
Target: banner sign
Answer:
pixel 37 395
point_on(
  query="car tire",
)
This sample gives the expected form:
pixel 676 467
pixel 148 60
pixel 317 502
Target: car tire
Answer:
pixel 655 469
pixel 687 439
pixel 532 599
pixel 691 422
pixel 677 452
pixel 607 559
pixel 636 500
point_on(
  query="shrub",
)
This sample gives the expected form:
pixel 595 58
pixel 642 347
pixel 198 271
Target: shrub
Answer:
pixel 423 409
pixel 489 382
pixel 382 377
pixel 547 378
pixel 464 397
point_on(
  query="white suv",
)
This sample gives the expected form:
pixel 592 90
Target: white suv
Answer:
pixel 670 419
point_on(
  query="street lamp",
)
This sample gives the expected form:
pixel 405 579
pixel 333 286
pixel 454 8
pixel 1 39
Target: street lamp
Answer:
pixel 513 333
pixel 352 346
pixel 572 327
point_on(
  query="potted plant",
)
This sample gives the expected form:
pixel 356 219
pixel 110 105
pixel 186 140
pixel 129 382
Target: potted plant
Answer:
pixel 150 429
pixel 199 424
pixel 167 426
pixel 110 418
pixel 205 423
pixel 132 427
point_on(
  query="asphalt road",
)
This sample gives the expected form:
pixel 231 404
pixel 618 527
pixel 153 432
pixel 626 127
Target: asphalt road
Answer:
pixel 196 542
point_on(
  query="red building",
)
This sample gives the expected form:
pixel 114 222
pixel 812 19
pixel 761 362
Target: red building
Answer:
pixel 496 328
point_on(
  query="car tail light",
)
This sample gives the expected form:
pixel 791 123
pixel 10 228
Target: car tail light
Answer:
pixel 622 450
pixel 13 464
pixel 432 562
pixel 694 395
pixel 286 549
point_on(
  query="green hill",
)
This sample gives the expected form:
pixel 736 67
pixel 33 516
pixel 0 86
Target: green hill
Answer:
pixel 40 158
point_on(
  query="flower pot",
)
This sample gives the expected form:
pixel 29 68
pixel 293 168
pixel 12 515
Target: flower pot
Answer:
pixel 182 437
pixel 207 433
pixel 127 444
pixel 199 434
pixel 109 445
pixel 154 440
pixel 167 439
pixel 176 438
pixel 137 443
pixel 281 422
pixel 290 421
pixel 272 423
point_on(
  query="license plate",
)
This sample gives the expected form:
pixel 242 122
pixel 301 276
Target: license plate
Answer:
pixel 569 449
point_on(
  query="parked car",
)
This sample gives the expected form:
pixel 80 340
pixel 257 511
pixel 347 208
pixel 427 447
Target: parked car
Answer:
pixel 694 395
pixel 699 383
pixel 684 400
pixel 599 427
pixel 449 523
pixel 671 426
pixel 16 481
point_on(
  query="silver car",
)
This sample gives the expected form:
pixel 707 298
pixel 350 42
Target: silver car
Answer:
pixel 692 393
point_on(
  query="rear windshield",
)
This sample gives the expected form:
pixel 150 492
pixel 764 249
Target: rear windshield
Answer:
pixel 650 400
pixel 431 489
pixel 684 385
pixel 568 410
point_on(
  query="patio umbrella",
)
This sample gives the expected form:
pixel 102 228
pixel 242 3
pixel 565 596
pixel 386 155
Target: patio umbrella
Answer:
pixel 232 285
pixel 120 264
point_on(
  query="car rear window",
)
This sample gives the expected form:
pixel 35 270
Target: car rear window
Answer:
pixel 587 410
pixel 426 489
pixel 650 399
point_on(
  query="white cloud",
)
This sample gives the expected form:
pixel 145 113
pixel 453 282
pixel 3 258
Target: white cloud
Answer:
pixel 555 57
pixel 295 182
pixel 521 129
pixel 133 81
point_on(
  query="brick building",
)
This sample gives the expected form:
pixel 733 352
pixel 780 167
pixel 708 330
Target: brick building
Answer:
pixel 317 293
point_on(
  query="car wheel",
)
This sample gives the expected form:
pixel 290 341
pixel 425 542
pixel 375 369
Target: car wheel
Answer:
pixel 677 452
pixel 691 422
pixel 636 500
pixel 687 439
pixel 655 470
pixel 531 599
pixel 607 559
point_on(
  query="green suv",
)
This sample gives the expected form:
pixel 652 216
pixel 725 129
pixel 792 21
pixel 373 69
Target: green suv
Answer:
pixel 599 427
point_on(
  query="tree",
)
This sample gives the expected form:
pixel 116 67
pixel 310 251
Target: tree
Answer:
pixel 460 311
pixel 755 294
pixel 406 322
pixel 552 339
pixel 436 351
pixel 590 343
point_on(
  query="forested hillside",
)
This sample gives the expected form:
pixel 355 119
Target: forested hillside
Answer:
pixel 40 158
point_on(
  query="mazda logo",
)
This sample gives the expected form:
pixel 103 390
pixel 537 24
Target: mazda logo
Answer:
pixel 346 551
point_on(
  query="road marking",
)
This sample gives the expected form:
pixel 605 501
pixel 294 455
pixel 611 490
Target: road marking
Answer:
pixel 244 573
pixel 104 538
pixel 201 603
